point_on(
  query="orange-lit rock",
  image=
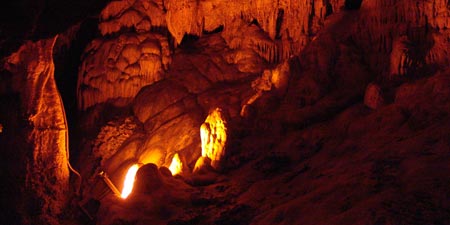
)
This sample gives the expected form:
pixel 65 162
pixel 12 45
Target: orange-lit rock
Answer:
pixel 148 179
pixel 168 92
pixel 111 137
pixel 47 174
pixel 213 134
pixel 139 14
pixel 291 22
pixel 176 166
pixel 179 134
pixel 202 165
pixel 305 75
pixel 129 180
pixel 276 79
pixel 114 70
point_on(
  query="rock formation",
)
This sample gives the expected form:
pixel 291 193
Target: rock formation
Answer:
pixel 213 134
pixel 115 70
pixel 240 112
pixel 46 154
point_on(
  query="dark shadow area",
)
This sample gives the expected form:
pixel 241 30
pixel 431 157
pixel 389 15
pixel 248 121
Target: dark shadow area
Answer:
pixel 67 61
pixel 280 17
pixel 329 9
pixel 255 22
pixel 188 42
pixel 215 31
pixel 352 4
pixel 12 158
pixel 39 19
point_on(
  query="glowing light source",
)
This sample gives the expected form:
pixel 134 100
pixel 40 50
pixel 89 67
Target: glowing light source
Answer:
pixel 214 136
pixel 176 166
pixel 129 181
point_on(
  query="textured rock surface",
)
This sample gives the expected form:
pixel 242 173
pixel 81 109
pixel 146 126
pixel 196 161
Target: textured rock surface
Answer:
pixel 279 30
pixel 213 134
pixel 306 125
pixel 296 81
pixel 47 174
pixel 114 70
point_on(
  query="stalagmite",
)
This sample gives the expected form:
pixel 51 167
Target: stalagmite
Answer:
pixel 213 134
pixel 129 181
pixel 176 166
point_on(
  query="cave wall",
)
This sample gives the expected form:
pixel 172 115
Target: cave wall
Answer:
pixel 44 155
pixel 143 69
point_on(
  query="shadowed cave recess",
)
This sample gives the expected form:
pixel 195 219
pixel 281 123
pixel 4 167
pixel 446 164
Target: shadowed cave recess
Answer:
pixel 225 112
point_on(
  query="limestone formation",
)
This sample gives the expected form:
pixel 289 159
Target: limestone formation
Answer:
pixel 176 166
pixel 111 137
pixel 384 25
pixel 270 79
pixel 114 70
pixel 146 106
pixel 289 21
pixel 213 133
pixel 320 112
pixel 47 173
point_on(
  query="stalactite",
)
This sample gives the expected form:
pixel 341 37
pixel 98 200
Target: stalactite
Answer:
pixel 129 59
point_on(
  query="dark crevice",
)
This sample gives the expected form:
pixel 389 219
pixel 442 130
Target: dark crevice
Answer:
pixel 279 22
pixel 215 31
pixel 67 61
pixel 255 22
pixel 329 9
pixel 352 4
pixel 188 42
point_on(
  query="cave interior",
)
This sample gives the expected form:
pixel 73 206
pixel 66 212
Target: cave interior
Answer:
pixel 225 112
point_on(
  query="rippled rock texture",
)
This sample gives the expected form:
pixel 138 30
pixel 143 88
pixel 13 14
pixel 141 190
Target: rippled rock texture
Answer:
pixel 242 112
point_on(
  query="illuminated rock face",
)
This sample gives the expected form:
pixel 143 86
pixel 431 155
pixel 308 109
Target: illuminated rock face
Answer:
pixel 213 133
pixel 129 181
pixel 114 70
pixel 308 128
pixel 290 22
pixel 176 166
pixel 47 175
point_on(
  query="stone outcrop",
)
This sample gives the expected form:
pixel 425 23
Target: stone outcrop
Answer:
pixel 47 174
pixel 291 22
pixel 345 100
pixel 213 134
pixel 114 70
